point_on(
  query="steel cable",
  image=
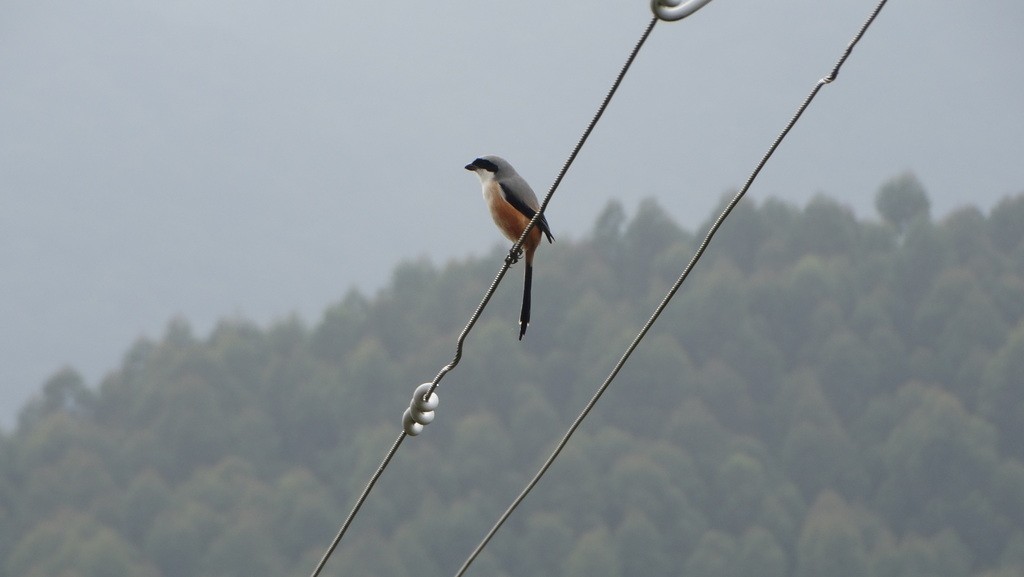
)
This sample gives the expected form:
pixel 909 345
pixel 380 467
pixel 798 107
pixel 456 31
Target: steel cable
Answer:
pixel 509 261
pixel 668 297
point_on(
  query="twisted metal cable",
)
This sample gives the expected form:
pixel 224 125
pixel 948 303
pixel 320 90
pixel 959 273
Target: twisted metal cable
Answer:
pixel 668 297
pixel 512 257
pixel 359 504
pixel 513 254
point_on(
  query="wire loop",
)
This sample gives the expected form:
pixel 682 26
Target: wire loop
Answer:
pixel 672 10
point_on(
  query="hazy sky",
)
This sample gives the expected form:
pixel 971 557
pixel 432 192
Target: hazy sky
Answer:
pixel 212 159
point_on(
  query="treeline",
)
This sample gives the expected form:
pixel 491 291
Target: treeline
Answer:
pixel 826 396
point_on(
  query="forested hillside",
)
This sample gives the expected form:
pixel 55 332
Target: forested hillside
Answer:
pixel 825 397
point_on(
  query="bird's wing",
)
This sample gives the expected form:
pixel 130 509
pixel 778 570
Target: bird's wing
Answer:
pixel 517 203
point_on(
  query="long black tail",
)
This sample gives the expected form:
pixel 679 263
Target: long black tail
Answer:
pixel 524 315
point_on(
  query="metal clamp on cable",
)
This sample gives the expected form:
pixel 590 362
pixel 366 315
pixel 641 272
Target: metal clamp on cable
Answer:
pixel 672 10
pixel 421 410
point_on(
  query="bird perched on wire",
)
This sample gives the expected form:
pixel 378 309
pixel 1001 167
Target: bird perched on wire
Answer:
pixel 513 205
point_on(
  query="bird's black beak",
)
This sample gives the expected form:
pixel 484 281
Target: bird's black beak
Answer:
pixel 471 166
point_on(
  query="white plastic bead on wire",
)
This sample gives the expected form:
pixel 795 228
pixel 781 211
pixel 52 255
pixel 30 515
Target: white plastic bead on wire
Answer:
pixel 672 10
pixel 421 410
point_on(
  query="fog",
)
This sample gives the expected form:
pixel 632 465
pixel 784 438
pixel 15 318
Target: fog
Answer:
pixel 259 159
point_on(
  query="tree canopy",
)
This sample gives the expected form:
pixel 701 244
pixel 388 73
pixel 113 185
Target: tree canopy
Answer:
pixel 827 395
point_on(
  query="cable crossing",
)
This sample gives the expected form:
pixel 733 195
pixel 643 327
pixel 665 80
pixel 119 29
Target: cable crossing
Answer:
pixel 672 291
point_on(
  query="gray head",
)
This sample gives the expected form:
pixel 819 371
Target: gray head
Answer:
pixel 491 166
